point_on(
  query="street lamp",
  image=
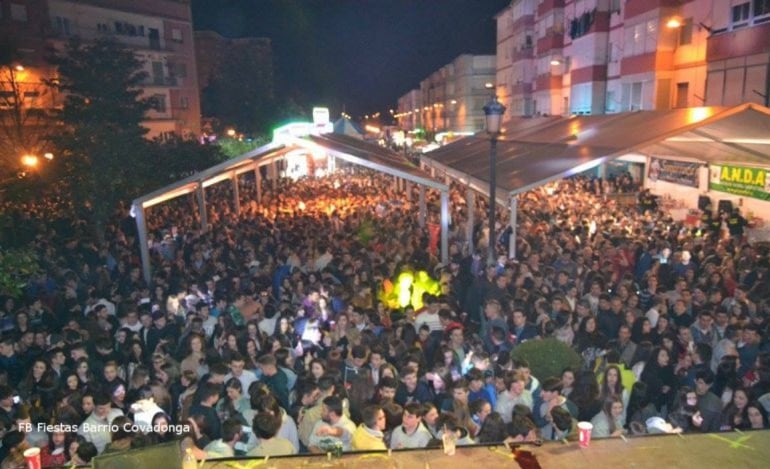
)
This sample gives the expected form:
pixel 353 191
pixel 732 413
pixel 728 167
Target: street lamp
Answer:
pixel 493 113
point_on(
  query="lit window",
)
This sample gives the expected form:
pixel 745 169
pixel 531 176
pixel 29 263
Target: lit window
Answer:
pixel 176 34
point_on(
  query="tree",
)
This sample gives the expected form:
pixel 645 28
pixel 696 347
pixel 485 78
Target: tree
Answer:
pixel 17 266
pixel 25 123
pixel 181 158
pixel 104 156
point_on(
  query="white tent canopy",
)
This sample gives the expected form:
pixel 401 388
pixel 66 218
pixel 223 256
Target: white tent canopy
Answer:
pixel 335 146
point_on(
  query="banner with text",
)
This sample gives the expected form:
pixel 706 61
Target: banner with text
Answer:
pixel 740 180
pixel 678 172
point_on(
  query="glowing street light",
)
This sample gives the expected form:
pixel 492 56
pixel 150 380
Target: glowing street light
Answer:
pixel 674 23
pixel 30 161
pixel 48 156
pixel 19 68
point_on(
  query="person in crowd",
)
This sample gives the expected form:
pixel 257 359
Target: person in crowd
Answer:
pixel 295 287
pixel 369 434
pixel 332 428
pixel 411 433
pixel 266 426
pixel 609 421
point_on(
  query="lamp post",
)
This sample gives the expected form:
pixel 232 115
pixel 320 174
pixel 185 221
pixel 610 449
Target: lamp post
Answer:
pixel 493 113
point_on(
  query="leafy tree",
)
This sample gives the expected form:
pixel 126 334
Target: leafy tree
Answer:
pixel 25 125
pixel 104 155
pixel 17 266
pixel 181 158
pixel 232 147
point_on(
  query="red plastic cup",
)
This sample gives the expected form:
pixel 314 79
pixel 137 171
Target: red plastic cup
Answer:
pixel 32 456
pixel 584 432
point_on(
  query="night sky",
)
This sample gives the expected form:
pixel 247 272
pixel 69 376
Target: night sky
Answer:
pixel 356 55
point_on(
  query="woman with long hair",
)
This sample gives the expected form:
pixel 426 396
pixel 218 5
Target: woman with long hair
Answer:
pixel 83 370
pixel 659 376
pixel 234 403
pixel 756 416
pixel 56 452
pixel 586 395
pixel 609 421
pixel 684 408
pixel 612 386
pixel 734 414
pixel 589 341
pixel 196 355
pixel 35 381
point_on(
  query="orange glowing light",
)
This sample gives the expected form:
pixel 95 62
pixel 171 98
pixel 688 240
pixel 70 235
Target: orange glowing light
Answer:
pixel 29 160
pixel 697 114
pixel 674 23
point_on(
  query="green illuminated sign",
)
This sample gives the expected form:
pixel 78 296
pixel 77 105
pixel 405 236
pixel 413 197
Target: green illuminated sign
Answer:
pixel 740 180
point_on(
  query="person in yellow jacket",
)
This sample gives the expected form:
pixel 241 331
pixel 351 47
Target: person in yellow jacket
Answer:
pixel 368 436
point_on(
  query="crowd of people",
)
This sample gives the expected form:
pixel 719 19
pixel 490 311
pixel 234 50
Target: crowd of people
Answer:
pixel 267 334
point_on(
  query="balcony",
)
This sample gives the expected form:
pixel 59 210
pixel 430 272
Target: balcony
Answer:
pixel 552 40
pixel 523 54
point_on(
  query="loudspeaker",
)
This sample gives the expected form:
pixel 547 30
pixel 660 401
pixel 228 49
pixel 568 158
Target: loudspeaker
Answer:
pixel 725 206
pixel 703 202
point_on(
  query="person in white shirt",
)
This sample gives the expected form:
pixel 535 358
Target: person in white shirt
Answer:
pixel 333 427
pixel 513 394
pixel 96 428
pixel 411 433
pixel 429 315
pixel 237 370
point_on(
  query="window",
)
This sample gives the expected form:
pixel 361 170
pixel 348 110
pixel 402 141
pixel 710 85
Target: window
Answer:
pixel 685 32
pixel 761 8
pixel 184 102
pixel 741 14
pixel 157 73
pixel 102 28
pixel 158 102
pixel 528 41
pixel 176 34
pixel 119 27
pixel 19 12
pixel 615 6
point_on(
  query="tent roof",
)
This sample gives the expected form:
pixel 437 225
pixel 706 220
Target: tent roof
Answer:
pixel 346 126
pixel 532 152
pixel 342 146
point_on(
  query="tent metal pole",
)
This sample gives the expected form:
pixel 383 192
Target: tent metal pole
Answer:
pixel 202 207
pixel 422 211
pixel 470 200
pixel 144 249
pixel 258 179
pixel 514 214
pixel 444 227
pixel 236 194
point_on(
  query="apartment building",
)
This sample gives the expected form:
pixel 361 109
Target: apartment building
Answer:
pixel 451 98
pixel 562 57
pixel 159 31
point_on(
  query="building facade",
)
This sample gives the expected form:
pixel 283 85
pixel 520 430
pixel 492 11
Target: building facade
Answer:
pixel 564 57
pixel 451 99
pixel 158 31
